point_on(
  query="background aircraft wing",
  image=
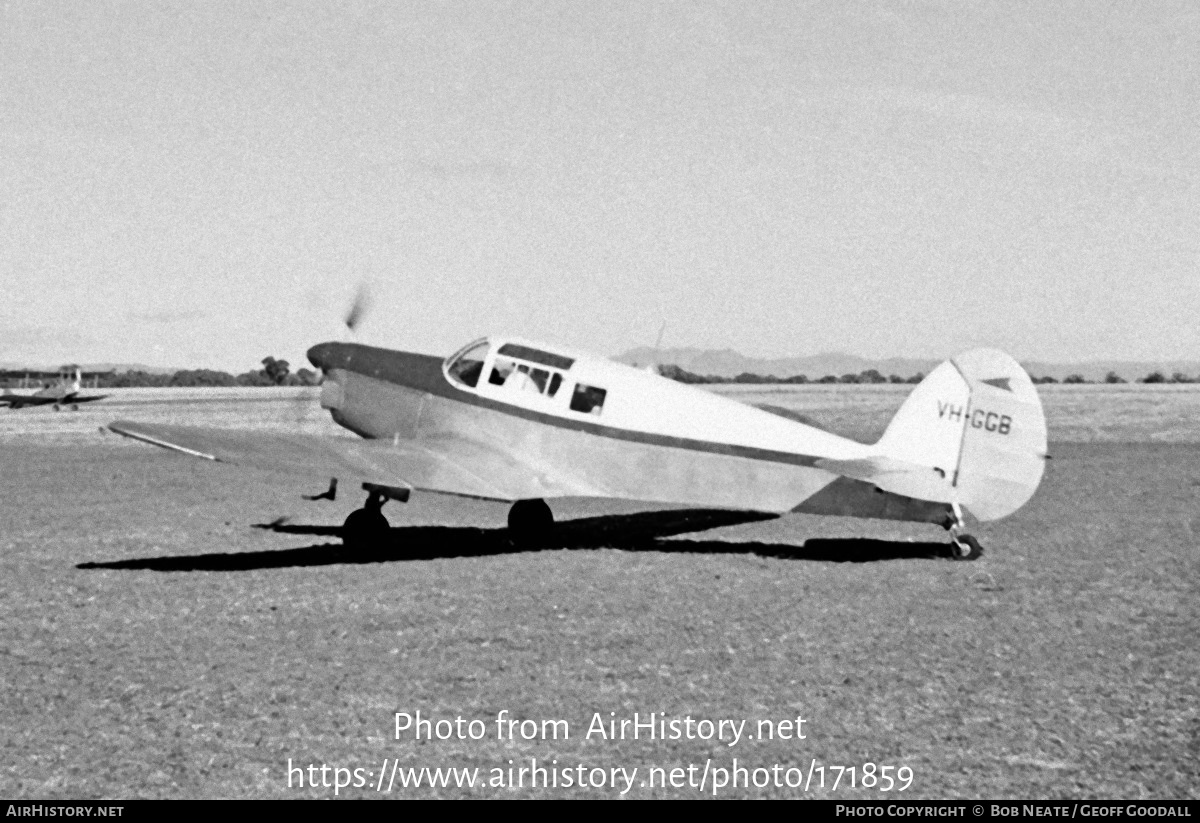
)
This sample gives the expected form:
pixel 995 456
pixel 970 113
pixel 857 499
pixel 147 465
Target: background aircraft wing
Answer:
pixel 452 466
pixel 17 401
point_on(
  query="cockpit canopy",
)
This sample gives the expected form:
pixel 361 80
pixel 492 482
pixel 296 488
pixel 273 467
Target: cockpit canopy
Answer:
pixel 524 373
pixel 517 362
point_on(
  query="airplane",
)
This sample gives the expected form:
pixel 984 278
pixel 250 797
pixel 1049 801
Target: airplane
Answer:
pixel 64 393
pixel 513 420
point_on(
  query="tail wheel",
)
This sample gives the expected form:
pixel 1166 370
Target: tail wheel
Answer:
pixel 967 547
pixel 529 522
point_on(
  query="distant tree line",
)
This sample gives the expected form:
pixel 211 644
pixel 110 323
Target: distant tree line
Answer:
pixel 1113 377
pixel 869 376
pixel 873 376
pixel 273 373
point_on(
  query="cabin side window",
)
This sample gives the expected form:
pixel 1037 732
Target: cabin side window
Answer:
pixel 501 369
pixel 524 377
pixel 587 399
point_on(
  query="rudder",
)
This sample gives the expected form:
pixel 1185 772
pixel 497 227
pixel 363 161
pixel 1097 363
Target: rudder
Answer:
pixel 977 422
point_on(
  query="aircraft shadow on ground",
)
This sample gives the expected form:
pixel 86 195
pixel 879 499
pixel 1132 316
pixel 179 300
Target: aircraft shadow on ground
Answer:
pixel 642 531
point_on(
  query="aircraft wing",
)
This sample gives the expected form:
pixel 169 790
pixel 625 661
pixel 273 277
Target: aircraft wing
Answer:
pixel 17 401
pixel 437 467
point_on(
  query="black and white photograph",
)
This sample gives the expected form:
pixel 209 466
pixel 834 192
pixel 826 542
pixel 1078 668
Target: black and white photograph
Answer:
pixel 547 399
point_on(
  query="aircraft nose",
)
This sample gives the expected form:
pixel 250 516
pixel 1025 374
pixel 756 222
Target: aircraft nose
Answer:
pixel 320 355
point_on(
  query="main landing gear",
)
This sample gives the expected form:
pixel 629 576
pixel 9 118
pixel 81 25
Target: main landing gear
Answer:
pixel 367 527
pixel 966 547
pixel 529 522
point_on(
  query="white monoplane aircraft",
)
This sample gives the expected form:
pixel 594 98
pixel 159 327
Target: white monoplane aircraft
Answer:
pixel 64 393
pixel 512 420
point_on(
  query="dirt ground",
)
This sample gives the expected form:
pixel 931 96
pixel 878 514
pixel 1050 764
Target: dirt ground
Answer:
pixel 161 638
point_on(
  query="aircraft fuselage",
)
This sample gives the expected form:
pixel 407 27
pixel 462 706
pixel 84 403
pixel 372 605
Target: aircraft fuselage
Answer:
pixel 649 439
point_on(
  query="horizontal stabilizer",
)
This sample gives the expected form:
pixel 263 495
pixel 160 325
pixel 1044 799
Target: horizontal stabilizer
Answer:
pixel 870 468
pixel 898 476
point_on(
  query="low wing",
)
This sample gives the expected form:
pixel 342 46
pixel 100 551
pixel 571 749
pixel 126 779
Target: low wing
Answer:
pixel 83 398
pixel 441 466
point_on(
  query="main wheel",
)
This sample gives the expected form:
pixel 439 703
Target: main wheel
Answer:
pixel 967 547
pixel 364 528
pixel 529 522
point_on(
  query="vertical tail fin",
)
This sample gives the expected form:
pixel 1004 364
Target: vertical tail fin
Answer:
pixel 976 420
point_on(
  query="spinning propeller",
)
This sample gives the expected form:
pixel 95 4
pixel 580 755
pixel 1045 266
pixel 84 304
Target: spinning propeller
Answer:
pixel 360 306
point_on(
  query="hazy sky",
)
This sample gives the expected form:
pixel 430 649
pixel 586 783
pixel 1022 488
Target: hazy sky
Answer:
pixel 206 183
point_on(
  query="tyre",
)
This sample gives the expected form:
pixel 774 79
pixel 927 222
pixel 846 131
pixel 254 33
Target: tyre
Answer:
pixel 967 547
pixel 364 528
pixel 529 522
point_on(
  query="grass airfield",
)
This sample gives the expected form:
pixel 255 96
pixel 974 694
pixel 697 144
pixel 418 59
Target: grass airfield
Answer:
pixel 157 644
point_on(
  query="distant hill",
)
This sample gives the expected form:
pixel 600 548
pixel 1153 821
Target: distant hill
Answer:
pixel 729 363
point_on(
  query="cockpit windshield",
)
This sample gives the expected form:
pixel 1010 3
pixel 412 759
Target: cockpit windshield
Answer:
pixel 466 366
